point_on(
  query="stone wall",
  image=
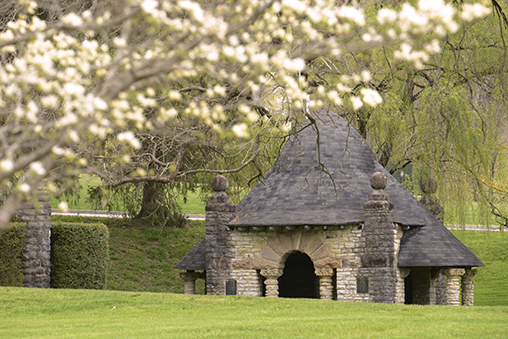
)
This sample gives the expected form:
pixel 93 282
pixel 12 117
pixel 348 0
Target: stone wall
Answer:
pixel 337 250
pixel 265 252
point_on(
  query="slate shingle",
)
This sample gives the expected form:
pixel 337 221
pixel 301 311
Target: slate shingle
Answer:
pixel 195 260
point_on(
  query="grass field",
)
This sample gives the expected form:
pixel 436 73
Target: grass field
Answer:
pixel 491 283
pixel 35 313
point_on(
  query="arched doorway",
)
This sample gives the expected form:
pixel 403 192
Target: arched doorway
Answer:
pixel 298 279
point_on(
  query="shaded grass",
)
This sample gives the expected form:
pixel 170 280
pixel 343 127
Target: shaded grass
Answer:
pixel 36 313
pixel 142 257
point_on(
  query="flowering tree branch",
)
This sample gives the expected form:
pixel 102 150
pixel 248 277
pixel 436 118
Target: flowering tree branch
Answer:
pixel 87 85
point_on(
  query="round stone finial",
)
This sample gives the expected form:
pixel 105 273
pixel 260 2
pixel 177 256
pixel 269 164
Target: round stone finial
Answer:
pixel 378 181
pixel 220 183
pixel 428 185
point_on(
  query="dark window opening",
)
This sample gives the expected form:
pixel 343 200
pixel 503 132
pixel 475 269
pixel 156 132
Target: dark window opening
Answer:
pixel 362 285
pixel 231 287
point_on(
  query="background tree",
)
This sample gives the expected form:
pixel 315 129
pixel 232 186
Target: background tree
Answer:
pixel 447 118
pixel 78 87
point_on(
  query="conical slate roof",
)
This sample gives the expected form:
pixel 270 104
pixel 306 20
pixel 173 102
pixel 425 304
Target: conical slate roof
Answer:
pixel 329 184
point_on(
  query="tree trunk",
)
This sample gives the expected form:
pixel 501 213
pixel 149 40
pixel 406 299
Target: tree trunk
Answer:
pixel 159 207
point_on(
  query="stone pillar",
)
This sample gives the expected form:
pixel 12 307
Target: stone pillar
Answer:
pixel 440 290
pixel 453 285
pixel 382 241
pixel 218 238
pixel 189 279
pixel 468 287
pixel 37 250
pixel 271 282
pixel 325 282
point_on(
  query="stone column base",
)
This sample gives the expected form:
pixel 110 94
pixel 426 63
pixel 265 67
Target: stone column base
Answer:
pixel 325 283
pixel 468 287
pixel 453 286
pixel 190 278
pixel 271 282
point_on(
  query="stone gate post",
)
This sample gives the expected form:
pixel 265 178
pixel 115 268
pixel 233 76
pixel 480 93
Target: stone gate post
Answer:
pixel 218 239
pixel 37 250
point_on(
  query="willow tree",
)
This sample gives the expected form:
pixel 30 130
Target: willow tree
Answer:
pixel 86 86
pixel 446 117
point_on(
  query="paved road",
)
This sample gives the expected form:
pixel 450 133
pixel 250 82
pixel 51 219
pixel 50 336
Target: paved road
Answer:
pixel 116 214
pixel 110 214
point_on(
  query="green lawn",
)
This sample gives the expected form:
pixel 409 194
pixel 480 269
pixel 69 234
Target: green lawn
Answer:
pixel 36 313
pixel 491 283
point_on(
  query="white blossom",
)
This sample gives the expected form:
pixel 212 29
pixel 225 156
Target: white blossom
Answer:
pixel 149 6
pixel 63 207
pixel 129 138
pixel 371 97
pixel 240 130
pixel 356 102
pixel 72 19
pixel 25 188
pixel 386 16
pixel 472 12
pixel 38 168
pixel 6 165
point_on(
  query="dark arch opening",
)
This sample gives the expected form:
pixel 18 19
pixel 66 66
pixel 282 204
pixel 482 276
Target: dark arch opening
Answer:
pixel 298 279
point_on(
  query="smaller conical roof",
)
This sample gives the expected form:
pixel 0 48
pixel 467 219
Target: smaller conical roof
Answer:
pixel 195 260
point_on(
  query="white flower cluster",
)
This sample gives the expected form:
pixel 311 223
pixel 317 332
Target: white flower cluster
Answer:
pixel 429 17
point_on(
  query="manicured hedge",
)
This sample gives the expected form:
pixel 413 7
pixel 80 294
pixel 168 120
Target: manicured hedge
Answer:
pixel 79 255
pixel 11 255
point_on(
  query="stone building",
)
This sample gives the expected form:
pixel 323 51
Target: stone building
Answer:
pixel 328 221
